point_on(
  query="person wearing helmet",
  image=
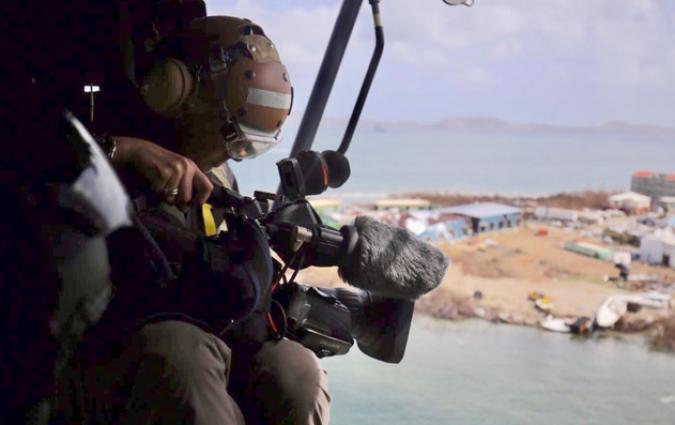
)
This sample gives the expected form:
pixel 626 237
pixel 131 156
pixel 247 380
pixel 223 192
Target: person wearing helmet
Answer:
pixel 220 85
pixel 231 83
pixel 226 101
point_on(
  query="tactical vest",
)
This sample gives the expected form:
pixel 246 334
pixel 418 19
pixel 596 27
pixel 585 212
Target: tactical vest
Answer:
pixel 222 267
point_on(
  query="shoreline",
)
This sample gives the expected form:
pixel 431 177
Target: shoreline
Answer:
pixel 454 304
pixel 517 263
pixel 593 199
pixel 492 274
pixel 453 197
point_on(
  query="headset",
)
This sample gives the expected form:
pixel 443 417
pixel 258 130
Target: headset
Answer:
pixel 167 87
pixel 226 65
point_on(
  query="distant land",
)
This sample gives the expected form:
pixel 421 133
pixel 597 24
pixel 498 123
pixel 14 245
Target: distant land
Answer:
pixel 496 125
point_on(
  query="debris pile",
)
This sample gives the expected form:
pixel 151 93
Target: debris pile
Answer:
pixel 663 337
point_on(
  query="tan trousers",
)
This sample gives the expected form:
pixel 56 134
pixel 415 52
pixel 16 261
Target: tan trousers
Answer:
pixel 173 372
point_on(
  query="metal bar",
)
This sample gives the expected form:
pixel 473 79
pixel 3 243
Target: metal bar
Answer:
pixel 368 79
pixel 323 84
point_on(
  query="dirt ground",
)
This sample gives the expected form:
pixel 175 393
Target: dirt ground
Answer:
pixel 521 254
pixel 505 267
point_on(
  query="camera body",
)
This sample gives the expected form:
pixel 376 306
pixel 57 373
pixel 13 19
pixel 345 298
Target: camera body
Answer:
pixel 327 321
pixel 316 319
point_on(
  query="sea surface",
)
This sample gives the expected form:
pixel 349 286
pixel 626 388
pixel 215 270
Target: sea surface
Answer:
pixel 475 372
pixel 389 161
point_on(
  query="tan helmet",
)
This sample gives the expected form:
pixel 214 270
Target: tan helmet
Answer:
pixel 228 66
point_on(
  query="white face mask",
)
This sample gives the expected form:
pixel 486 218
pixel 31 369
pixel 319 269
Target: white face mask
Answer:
pixel 243 142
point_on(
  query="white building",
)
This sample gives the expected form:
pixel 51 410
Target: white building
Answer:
pixel 653 184
pixel 325 203
pixel 658 248
pixel 591 216
pixel 552 213
pixel 667 203
pixel 632 202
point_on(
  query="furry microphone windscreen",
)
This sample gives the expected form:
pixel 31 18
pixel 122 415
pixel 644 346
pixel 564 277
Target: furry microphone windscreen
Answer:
pixel 392 261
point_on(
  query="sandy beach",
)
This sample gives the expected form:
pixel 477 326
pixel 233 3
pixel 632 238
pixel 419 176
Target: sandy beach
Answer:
pixel 504 267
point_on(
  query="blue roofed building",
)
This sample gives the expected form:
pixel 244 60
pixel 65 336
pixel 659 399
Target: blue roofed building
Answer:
pixel 486 217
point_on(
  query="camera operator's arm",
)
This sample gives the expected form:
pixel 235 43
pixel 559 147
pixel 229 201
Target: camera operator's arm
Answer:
pixel 176 178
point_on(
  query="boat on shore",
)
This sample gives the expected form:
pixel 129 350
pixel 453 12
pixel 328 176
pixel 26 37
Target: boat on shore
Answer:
pixel 614 307
pixel 557 324
pixel 579 326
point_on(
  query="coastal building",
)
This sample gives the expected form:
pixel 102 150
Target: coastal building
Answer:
pixel 658 248
pixel 667 203
pixel 329 209
pixel 485 217
pixel 591 216
pixel 654 185
pixel 631 202
pixel 552 213
pixel 325 203
pixel 447 226
pixel 436 226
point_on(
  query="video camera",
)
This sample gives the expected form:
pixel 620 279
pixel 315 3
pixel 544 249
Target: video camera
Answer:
pixel 328 320
pixel 325 320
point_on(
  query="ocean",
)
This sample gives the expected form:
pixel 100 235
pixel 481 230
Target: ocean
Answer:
pixel 477 372
pixel 389 161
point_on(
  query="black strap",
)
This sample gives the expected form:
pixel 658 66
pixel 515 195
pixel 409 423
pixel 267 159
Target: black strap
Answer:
pixel 126 43
pixel 155 252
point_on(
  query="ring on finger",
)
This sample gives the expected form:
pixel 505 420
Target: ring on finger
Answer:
pixel 171 192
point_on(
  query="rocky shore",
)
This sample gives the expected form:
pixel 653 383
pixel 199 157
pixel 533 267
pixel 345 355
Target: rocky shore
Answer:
pixel 492 276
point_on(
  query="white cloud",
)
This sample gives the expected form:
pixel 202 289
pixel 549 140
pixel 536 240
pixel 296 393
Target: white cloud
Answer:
pixel 620 46
pixel 300 32
pixel 506 49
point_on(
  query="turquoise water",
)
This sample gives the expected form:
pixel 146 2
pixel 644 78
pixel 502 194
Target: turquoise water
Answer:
pixel 429 160
pixel 476 372
pixel 481 373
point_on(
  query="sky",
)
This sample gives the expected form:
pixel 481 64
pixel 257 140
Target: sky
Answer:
pixel 565 62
